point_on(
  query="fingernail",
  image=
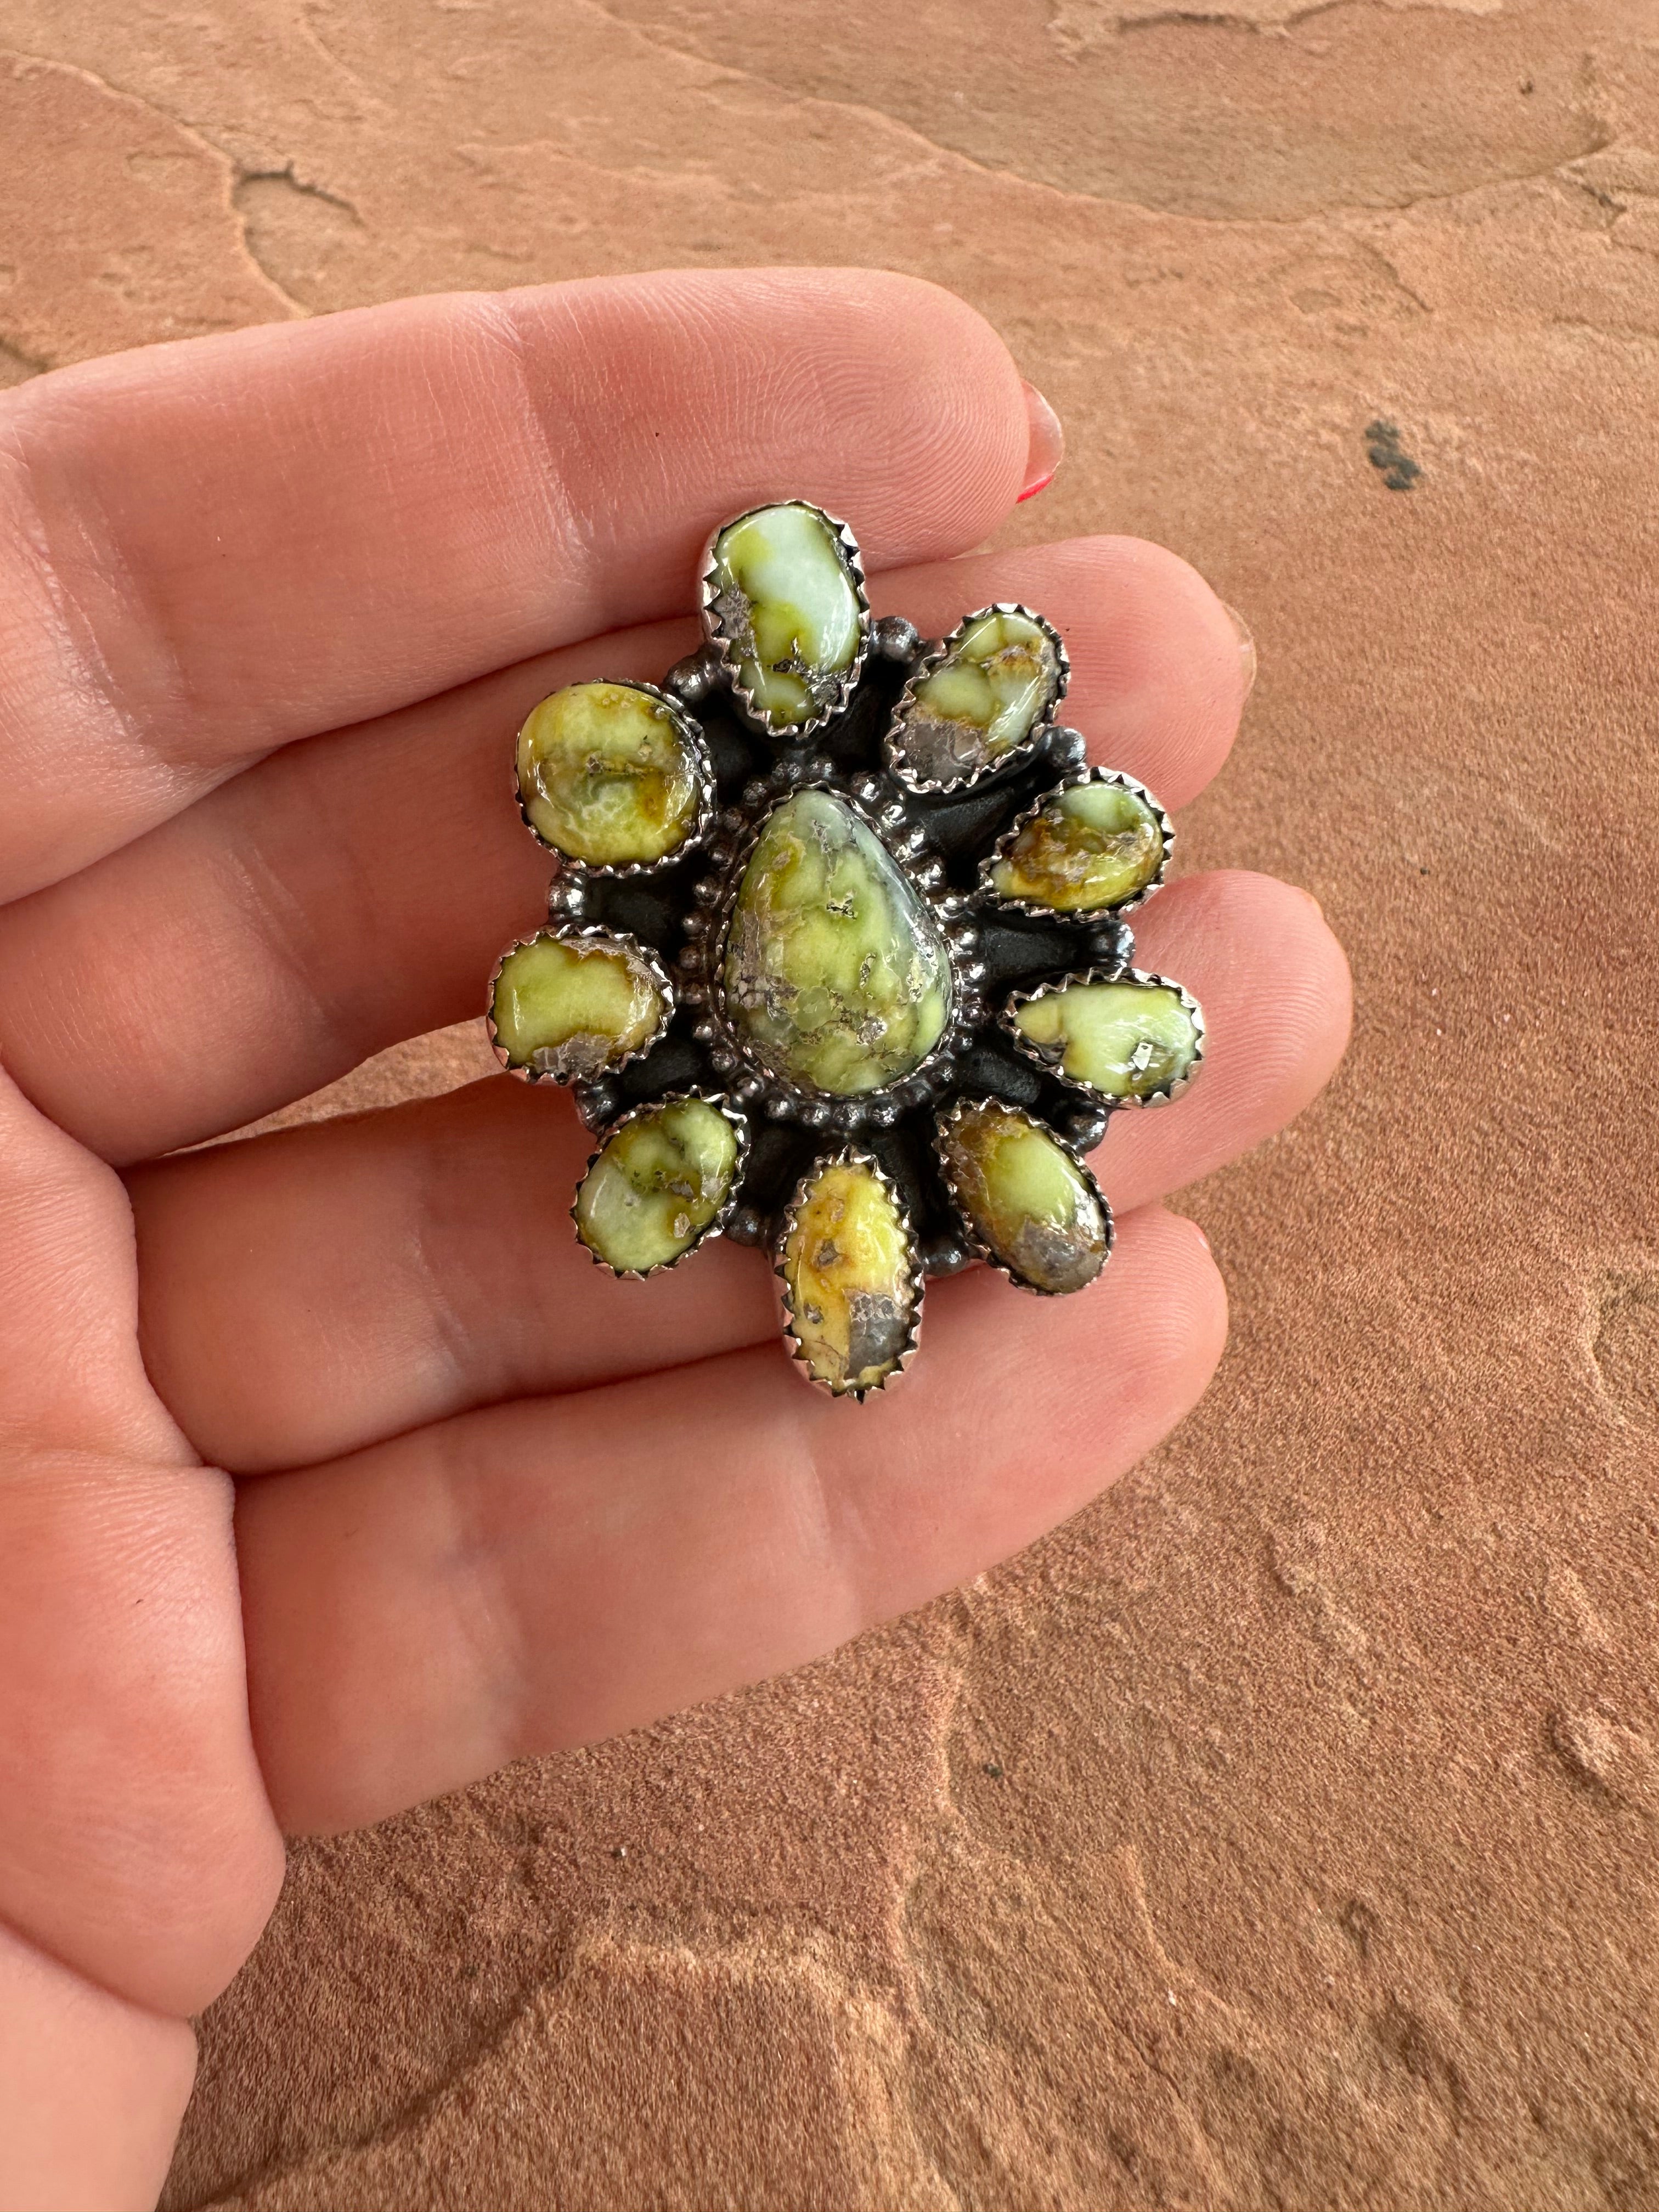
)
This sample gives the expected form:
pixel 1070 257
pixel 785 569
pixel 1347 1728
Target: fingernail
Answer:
pixel 1246 645
pixel 1045 443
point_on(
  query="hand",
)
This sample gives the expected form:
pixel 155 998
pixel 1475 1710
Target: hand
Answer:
pixel 272 605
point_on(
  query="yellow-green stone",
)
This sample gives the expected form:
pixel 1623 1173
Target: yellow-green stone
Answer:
pixel 1094 847
pixel 570 1006
pixel 847 1264
pixel 1028 1201
pixel 1000 675
pixel 834 969
pixel 606 775
pixel 657 1184
pixel 787 600
pixel 1125 1039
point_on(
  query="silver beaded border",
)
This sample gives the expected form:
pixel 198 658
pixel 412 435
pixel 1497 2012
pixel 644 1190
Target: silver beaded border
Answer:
pixel 594 933
pixel 1111 1099
pixel 703 959
pixel 1021 822
pixel 850 1156
pixel 933 659
pixel 946 1122
pixel 689 729
pixel 714 630
pixel 736 1119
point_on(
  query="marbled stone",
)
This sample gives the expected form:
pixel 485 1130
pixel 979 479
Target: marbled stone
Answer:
pixel 1129 1038
pixel 1094 847
pixel 788 604
pixel 608 775
pixel 849 1269
pixel 999 675
pixel 835 971
pixel 657 1184
pixel 1029 1201
pixel 570 1006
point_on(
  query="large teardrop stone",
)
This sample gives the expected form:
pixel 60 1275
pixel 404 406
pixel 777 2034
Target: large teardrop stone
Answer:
pixel 1030 1203
pixel 849 1270
pixel 835 972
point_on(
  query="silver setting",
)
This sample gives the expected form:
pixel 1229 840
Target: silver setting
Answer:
pixel 593 933
pixel 850 1156
pixel 1082 915
pixel 730 661
pixel 933 659
pixel 691 732
pixel 970 1235
pixel 1111 1099
pixel 739 1123
pixel 703 962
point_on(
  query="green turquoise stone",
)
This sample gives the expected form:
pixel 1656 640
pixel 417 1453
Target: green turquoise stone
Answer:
pixel 788 604
pixel 850 1272
pixel 607 775
pixel 1027 1198
pixel 1090 849
pixel 835 972
pixel 657 1184
pixel 998 677
pixel 1127 1039
pixel 570 1006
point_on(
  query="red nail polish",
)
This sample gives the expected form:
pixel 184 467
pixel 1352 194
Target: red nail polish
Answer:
pixel 1032 489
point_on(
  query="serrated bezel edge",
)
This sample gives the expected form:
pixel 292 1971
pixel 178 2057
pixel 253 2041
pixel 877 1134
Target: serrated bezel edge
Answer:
pixel 586 932
pixel 733 1113
pixel 756 717
pixel 1074 781
pixel 690 729
pixel 982 1250
pixel 933 659
pixel 856 1156
pixel 1109 1099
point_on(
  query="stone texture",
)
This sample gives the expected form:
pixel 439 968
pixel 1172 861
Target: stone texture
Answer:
pixel 608 775
pixel 1088 850
pixel 1134 1038
pixel 1280 1831
pixel 787 610
pixel 657 1184
pixel 570 1005
pixel 849 1270
pixel 1027 1201
pixel 997 678
pixel 836 972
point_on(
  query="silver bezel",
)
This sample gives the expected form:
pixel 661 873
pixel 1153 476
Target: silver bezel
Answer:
pixel 737 1119
pixel 691 730
pixel 1011 836
pixel 567 934
pixel 934 658
pixel 714 630
pixel 703 962
pixel 982 1250
pixel 850 1155
pixel 1111 1099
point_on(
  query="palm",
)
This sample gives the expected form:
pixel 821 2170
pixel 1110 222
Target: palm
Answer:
pixel 269 601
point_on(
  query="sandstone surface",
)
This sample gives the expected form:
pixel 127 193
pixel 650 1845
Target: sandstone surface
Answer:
pixel 1281 1832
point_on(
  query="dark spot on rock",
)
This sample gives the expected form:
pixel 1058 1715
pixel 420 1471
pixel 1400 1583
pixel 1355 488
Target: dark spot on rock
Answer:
pixel 1385 453
pixel 993 1770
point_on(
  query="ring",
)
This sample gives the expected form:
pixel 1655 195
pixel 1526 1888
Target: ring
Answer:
pixel 835 959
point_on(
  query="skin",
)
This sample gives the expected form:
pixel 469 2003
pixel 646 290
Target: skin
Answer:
pixel 329 1478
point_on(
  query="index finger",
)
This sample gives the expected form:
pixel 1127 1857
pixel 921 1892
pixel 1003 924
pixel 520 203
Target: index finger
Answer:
pixel 210 548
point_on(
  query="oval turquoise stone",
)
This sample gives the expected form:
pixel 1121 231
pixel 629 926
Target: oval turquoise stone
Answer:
pixel 836 974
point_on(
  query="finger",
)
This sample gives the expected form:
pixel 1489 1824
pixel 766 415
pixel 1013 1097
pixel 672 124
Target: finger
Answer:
pixel 550 1572
pixel 92 2089
pixel 209 549
pixel 307 1293
pixel 357 889
pixel 136 1842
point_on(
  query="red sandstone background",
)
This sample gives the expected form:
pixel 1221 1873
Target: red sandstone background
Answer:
pixel 1281 1832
